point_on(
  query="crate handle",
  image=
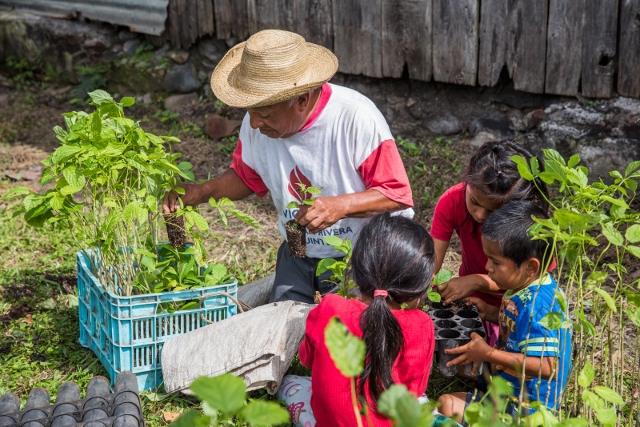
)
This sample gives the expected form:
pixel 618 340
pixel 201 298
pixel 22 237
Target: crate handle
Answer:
pixel 241 306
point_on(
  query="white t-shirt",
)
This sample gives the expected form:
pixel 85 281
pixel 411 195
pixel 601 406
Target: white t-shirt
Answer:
pixel 345 147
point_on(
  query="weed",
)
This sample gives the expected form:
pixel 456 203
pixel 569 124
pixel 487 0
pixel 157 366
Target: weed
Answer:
pixel 166 115
pixel 228 144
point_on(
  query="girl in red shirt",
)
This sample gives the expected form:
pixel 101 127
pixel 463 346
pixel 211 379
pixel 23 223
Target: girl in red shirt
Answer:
pixel 392 264
pixel 491 179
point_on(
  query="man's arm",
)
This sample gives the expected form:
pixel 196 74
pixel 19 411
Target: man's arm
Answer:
pixel 328 210
pixel 229 185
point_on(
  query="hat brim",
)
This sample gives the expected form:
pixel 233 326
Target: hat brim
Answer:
pixel 323 64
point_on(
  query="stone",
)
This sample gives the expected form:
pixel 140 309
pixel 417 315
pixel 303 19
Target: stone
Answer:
pixel 443 123
pixel 231 42
pixel 628 104
pixel 517 120
pixel 498 125
pixel 181 79
pixel 631 128
pixel 212 49
pixel 144 99
pixel 126 35
pixel 535 117
pixel 95 44
pixel 178 56
pixel 130 46
pixel 203 76
pixel 580 116
pixel 216 126
pixel 159 55
pixel 483 137
pixel 4 98
pixel 176 103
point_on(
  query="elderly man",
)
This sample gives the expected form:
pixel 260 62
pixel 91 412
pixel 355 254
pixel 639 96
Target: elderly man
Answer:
pixel 301 129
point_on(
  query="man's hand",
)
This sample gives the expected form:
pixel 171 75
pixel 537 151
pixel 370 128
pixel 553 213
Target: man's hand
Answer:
pixel 324 212
pixel 191 197
pixel 476 352
pixel 457 288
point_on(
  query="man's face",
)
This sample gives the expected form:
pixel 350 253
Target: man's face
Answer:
pixel 278 120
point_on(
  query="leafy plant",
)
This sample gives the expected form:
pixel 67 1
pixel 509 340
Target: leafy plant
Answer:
pixel 443 276
pixel 109 179
pixel 307 193
pixel 339 268
pixel 224 399
pixel 595 233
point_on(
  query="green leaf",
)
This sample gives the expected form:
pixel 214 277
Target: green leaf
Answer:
pixel 607 417
pixel 552 321
pixel 225 203
pixel 197 219
pixel 631 167
pixel 587 375
pixel 574 422
pixel 260 413
pixel 573 160
pixel 561 300
pixel 127 101
pixel 325 264
pixel 99 97
pixel 523 167
pixel 592 400
pixel 442 276
pixel 633 250
pixel 179 190
pixel 333 241
pixel 617 202
pixel 225 393
pixel 608 394
pixel 633 298
pixel 402 407
pixel 313 190
pixel 346 350
pixel 607 298
pixel 631 184
pixel 16 191
pixel 554 155
pixel 473 413
pixel 73 176
pixel 191 418
pixel 612 235
pixel 434 296
pixel 244 217
pixel 214 274
pixel 633 233
pixel 535 165
pixel 292 205
pixel 62 154
pixel 548 177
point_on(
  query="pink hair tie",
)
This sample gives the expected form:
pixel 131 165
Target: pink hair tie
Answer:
pixel 380 293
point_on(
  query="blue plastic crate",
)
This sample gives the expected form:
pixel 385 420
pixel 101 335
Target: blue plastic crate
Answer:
pixel 127 334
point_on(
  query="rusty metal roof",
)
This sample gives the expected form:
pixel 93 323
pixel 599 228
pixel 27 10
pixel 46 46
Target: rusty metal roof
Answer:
pixel 142 16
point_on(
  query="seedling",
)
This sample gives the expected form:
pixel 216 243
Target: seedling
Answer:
pixel 339 269
pixel 442 277
pixel 296 233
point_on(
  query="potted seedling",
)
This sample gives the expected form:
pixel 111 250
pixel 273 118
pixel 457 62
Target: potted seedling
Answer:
pixel 339 268
pixel 296 233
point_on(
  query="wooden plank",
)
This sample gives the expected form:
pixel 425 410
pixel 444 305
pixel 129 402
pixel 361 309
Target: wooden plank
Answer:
pixel 174 24
pixel 407 38
pixel 357 36
pixel 629 62
pixel 564 46
pixel 599 47
pixel 269 14
pixel 191 22
pixel 455 41
pixel 526 47
pixel 493 40
pixel 205 17
pixel 231 19
pixel 312 20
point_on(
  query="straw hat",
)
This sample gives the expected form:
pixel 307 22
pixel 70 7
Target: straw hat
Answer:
pixel 270 67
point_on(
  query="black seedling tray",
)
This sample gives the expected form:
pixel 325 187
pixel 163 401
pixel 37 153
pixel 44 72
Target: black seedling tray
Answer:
pixel 453 327
pixel 100 407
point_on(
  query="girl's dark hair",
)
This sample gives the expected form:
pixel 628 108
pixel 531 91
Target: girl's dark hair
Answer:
pixel 394 254
pixel 508 227
pixel 492 171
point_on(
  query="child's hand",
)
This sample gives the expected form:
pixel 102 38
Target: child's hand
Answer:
pixel 485 310
pixel 476 351
pixel 456 289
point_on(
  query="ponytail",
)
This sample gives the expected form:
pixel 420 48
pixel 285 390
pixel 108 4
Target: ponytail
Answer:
pixel 392 263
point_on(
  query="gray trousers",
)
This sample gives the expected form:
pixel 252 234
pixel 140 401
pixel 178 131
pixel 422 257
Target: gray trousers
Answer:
pixel 296 278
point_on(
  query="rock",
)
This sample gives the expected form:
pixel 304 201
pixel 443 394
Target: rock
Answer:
pixel 144 99
pixel 217 127
pixel 231 42
pixel 553 108
pixel 517 120
pixel 535 117
pixel 176 103
pixel 116 48
pixel 498 125
pixel 159 55
pixel 130 46
pixel 178 56
pixel 203 76
pixel 212 49
pixel 582 117
pixel 142 65
pixel 443 123
pixel 556 131
pixel 628 104
pixel 631 128
pixel 483 137
pixel 95 44
pixel 4 98
pixel 181 79
pixel 126 35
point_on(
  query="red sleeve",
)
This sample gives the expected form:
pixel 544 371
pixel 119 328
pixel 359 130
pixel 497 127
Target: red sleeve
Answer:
pixel 383 171
pixel 444 215
pixel 248 175
pixel 308 345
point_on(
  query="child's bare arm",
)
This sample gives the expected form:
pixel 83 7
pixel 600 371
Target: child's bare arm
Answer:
pixel 479 351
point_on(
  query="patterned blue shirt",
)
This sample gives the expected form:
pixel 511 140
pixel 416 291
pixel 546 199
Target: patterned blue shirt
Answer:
pixel 521 331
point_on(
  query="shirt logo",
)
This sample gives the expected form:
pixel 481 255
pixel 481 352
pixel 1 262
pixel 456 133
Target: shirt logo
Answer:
pixel 296 177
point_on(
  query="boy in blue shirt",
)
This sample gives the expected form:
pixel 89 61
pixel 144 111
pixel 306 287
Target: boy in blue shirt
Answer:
pixel 525 345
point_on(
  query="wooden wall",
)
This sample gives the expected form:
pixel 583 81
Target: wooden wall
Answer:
pixel 563 47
